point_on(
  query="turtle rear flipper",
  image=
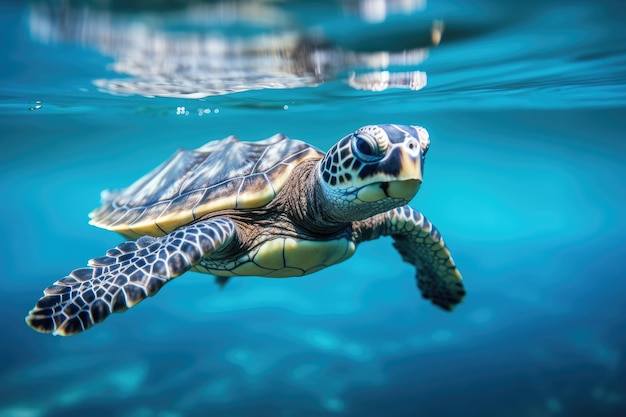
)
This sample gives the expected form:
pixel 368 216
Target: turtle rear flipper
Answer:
pixel 126 275
pixel 222 281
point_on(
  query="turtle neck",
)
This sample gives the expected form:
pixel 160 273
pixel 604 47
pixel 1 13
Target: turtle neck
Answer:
pixel 305 203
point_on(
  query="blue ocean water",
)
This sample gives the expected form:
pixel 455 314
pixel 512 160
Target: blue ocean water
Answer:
pixel 526 108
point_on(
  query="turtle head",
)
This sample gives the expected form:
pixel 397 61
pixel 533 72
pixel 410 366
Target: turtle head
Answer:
pixel 372 170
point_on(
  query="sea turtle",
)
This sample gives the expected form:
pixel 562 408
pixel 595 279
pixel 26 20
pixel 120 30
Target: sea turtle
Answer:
pixel 274 208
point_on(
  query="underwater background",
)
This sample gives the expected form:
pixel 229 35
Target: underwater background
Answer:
pixel 525 103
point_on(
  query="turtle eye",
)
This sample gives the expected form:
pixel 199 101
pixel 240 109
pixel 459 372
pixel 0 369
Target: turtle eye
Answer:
pixel 366 148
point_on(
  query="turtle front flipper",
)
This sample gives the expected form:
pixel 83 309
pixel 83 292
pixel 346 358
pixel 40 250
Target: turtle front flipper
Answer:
pixel 126 275
pixel 420 244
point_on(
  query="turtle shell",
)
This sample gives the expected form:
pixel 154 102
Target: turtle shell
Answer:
pixel 223 174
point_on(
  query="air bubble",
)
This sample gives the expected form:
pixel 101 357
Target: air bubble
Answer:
pixel 37 106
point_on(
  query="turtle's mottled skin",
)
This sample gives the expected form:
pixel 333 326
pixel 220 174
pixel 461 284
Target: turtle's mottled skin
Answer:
pixel 274 208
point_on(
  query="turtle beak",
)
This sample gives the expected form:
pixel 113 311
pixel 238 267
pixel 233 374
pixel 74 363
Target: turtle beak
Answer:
pixel 404 190
pixel 402 184
pixel 409 178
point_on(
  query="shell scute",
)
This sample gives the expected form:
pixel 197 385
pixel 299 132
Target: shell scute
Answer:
pixel 223 174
